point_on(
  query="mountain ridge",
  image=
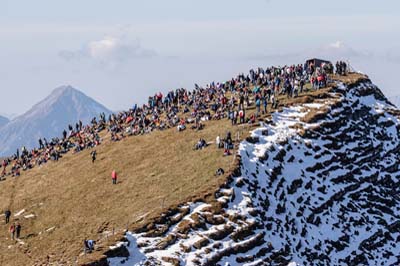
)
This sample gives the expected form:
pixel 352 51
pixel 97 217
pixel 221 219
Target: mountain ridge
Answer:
pixel 290 180
pixel 313 188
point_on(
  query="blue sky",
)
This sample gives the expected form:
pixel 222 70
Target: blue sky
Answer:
pixel 118 52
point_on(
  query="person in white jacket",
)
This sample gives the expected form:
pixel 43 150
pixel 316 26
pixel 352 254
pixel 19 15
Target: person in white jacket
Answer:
pixel 218 141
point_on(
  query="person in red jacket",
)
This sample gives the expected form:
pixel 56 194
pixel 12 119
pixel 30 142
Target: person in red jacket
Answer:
pixel 114 177
pixel 12 231
pixel 4 164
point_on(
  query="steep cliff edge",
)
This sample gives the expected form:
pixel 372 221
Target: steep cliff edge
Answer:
pixel 317 185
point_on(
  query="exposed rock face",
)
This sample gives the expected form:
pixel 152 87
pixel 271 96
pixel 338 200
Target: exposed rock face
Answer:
pixel 322 191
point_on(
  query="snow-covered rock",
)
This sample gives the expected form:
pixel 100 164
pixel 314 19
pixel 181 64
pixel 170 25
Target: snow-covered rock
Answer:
pixel 308 192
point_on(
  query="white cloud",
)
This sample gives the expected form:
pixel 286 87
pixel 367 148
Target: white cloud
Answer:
pixel 336 45
pixel 104 48
pixel 109 50
pixel 339 50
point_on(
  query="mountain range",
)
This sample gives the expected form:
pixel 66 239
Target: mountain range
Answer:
pixel 47 119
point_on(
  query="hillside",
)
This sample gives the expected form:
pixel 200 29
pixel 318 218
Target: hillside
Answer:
pixel 290 183
pixel 317 185
pixel 48 118
pixel 77 199
pixel 68 201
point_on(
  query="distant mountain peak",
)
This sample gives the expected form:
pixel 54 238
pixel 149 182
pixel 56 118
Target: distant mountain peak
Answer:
pixel 64 91
pixel 48 118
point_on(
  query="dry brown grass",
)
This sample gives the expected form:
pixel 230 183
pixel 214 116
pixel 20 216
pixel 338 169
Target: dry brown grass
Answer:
pixel 350 78
pixel 156 171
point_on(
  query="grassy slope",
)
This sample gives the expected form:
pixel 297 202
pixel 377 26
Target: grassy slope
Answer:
pixel 156 171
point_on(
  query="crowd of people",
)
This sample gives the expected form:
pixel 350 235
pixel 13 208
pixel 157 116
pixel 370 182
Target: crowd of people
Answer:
pixel 15 230
pixel 15 227
pixel 181 109
pixel 341 68
pixel 75 140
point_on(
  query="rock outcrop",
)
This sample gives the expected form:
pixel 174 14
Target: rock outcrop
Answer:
pixel 317 185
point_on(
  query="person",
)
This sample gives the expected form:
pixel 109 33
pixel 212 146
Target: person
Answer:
pixel 12 231
pixel 5 163
pixel 228 136
pixel 296 88
pixel 114 177
pixel 235 117
pixel 219 172
pixel 41 146
pixel 18 230
pixel 265 103
pixel 338 68
pixel 159 114
pixel 7 214
pixel 181 125
pixel 226 148
pixel 273 100
pixel 88 245
pixel 218 142
pixel 258 105
pixel 344 68
pixel 201 144
pixel 252 119
pixel 275 104
pixel 16 172
pixel 241 101
pixel 228 144
pixel 302 83
pixel 232 117
pixel 241 116
pixel 93 153
pixel 91 244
